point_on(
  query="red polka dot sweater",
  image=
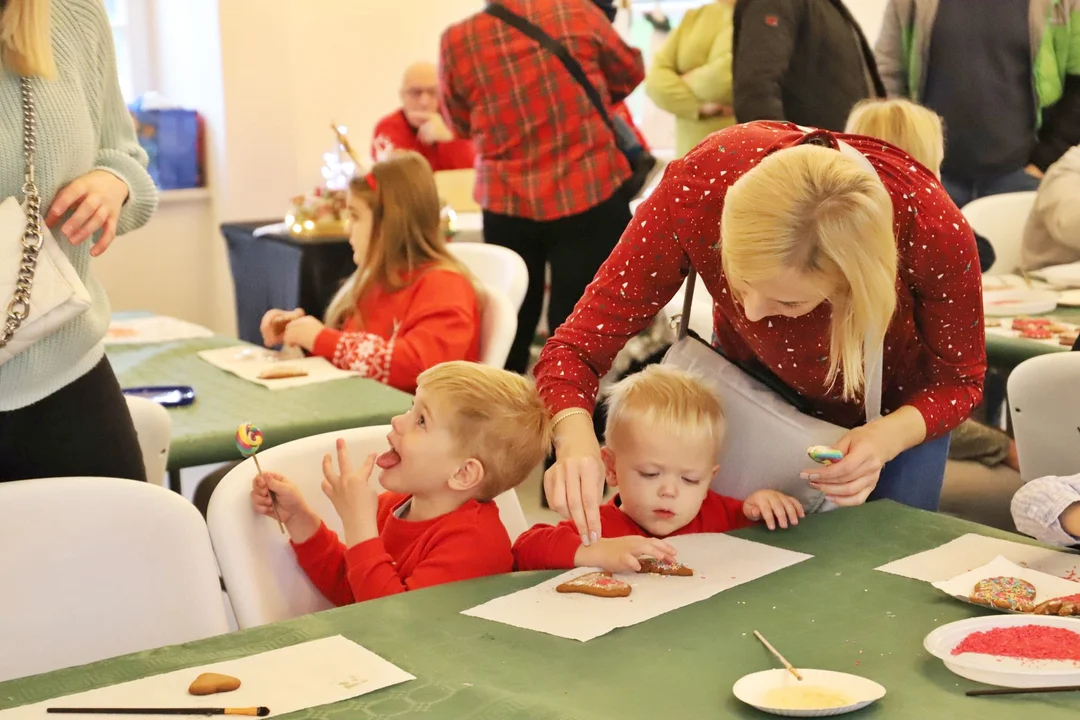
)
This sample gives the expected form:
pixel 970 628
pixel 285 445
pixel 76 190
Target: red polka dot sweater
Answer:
pixel 935 352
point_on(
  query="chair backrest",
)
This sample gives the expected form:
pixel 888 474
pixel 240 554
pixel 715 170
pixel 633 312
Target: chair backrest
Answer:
pixel 91 568
pixel 263 580
pixel 701 309
pixel 154 428
pixel 498 325
pixel 1001 219
pixel 1044 402
pixel 495 266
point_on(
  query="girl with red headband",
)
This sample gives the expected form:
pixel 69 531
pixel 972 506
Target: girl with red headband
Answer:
pixel 410 305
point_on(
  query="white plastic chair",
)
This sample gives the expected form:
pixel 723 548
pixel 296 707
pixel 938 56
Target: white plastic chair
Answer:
pixel 498 325
pixel 495 266
pixel 263 580
pixel 1044 397
pixel 154 428
pixel 92 568
pixel 1001 219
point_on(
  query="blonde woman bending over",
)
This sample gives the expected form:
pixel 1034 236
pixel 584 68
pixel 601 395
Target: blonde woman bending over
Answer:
pixel 806 254
pixel 410 305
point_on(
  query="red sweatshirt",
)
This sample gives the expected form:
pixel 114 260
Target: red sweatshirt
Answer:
pixel 935 348
pixel 401 334
pixel 547 547
pixel 394 132
pixel 469 542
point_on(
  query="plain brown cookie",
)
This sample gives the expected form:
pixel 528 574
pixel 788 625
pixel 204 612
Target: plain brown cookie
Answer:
pixel 281 372
pixel 213 683
pixel 597 584
pixel 664 567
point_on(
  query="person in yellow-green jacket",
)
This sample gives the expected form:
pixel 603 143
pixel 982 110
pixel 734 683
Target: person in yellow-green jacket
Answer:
pixel 1003 74
pixel 690 76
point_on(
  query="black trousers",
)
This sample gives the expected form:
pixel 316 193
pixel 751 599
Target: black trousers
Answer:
pixel 81 429
pixel 574 246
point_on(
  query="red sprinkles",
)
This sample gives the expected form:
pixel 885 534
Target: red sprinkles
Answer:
pixel 1027 642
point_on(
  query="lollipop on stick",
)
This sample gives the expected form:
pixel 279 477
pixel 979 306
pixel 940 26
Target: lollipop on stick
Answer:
pixel 248 441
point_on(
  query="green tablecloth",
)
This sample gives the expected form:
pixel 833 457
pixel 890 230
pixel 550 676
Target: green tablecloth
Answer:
pixel 833 611
pixel 1005 353
pixel 205 432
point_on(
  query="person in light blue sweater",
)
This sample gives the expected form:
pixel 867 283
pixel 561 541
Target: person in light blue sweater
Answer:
pixel 61 409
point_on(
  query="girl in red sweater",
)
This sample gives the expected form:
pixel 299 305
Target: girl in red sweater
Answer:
pixel 410 305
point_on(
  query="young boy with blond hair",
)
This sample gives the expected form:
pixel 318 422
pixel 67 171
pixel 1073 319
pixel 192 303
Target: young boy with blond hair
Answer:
pixel 473 432
pixel 664 430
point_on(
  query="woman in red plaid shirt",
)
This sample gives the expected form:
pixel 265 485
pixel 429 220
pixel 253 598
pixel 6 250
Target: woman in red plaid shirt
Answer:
pixel 548 169
pixel 806 254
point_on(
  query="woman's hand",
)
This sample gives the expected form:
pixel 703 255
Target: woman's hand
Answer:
pixel 273 324
pixel 574 485
pixel 774 508
pixel 303 331
pixel 96 199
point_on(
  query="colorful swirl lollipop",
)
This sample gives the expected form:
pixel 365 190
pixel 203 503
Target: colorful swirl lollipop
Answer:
pixel 249 439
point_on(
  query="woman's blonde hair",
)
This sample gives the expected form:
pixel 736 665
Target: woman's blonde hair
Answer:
pixel 406 232
pixel 814 210
pixel 909 126
pixel 665 399
pixel 26 38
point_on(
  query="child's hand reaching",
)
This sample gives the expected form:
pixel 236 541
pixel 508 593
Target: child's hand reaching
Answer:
pixel 297 517
pixel 774 508
pixel 621 554
pixel 354 499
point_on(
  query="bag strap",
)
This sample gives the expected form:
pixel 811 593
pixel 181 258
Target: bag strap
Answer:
pixel 873 357
pixel 557 49
pixel 33 237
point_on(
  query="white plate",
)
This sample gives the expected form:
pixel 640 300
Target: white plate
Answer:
pixel 1069 298
pixel 757 690
pixel 1003 303
pixel 1003 671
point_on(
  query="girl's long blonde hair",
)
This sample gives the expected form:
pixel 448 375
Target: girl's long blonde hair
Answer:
pixel 406 232
pixel 817 211
pixel 909 126
pixel 26 38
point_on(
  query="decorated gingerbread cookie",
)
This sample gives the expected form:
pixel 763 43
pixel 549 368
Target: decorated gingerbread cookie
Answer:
pixel 1005 593
pixel 1063 606
pixel 1036 332
pixel 598 584
pixel 664 567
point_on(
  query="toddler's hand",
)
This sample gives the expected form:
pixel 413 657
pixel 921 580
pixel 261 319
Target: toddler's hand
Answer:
pixel 297 517
pixel 354 499
pixel 774 508
pixel 273 323
pixel 621 554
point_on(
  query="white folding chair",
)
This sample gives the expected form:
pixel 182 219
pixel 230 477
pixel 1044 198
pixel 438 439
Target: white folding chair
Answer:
pixel 495 266
pixel 92 568
pixel 701 309
pixel 1001 219
pixel 263 580
pixel 498 325
pixel 1044 397
pixel 154 428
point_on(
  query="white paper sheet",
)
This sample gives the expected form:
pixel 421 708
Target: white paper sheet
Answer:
pixel 153 329
pixel 1047 587
pixel 719 562
pixel 247 362
pixel 303 676
pixel 970 551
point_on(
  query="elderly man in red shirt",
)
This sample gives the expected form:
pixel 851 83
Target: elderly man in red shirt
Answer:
pixel 548 169
pixel 419 127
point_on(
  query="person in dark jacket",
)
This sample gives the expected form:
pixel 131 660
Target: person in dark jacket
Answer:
pixel 805 61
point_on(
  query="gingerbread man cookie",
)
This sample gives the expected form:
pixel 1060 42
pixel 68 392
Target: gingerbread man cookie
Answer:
pixel 597 584
pixel 1005 593
pixel 282 372
pixel 664 567
pixel 213 683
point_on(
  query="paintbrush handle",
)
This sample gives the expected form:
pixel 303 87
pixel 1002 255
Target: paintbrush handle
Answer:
pixel 1023 691
pixel 261 711
pixel 790 668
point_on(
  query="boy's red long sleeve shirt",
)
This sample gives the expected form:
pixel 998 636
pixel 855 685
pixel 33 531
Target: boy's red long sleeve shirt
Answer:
pixel 467 543
pixel 552 547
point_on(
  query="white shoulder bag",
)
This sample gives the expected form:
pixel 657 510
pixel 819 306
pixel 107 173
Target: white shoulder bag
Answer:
pixel 766 436
pixel 46 292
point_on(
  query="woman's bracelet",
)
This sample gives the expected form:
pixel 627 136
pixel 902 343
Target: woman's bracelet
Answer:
pixel 568 413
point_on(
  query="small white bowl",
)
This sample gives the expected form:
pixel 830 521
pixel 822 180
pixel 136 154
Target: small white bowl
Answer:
pixel 761 691
pixel 1002 671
